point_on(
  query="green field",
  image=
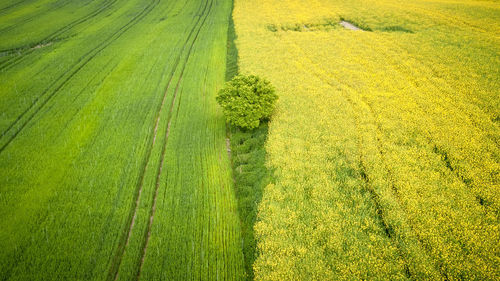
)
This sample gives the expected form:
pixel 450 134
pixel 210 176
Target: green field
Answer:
pixel 381 160
pixel 113 156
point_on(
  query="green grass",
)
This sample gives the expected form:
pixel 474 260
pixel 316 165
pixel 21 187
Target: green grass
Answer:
pixel 251 175
pixel 232 51
pixel 110 120
pixel 248 156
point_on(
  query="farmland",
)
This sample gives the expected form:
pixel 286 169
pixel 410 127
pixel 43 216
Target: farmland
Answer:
pixel 385 143
pixel 381 160
pixel 113 161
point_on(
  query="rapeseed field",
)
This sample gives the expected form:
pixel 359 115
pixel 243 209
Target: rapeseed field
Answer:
pixel 385 145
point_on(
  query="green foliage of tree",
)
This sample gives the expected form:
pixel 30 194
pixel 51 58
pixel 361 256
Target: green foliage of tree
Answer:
pixel 246 100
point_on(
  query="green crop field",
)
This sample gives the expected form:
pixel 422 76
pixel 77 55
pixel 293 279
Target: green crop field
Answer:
pixel 113 161
pixel 381 160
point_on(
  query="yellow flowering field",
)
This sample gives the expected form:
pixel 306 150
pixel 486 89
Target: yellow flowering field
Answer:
pixel 385 143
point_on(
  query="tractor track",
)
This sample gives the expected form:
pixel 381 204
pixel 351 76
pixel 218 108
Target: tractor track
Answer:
pixel 53 37
pixel 2 10
pixel 82 61
pixel 32 16
pixel 101 79
pixel 116 262
pixel 388 227
pixel 164 148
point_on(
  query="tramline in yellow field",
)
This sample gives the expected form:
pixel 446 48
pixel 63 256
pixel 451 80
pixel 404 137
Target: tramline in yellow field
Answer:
pixel 385 143
pixel 381 161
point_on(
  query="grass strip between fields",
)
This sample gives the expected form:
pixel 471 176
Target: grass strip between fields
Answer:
pixel 248 156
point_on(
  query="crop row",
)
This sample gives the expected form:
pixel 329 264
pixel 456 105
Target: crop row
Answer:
pixel 91 188
pixel 384 145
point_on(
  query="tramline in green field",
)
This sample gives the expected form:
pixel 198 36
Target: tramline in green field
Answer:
pixel 112 150
pixel 380 162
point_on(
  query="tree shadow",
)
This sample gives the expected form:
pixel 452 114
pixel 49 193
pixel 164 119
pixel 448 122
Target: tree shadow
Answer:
pixel 248 157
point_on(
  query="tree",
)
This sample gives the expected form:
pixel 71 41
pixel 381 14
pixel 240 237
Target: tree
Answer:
pixel 246 100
